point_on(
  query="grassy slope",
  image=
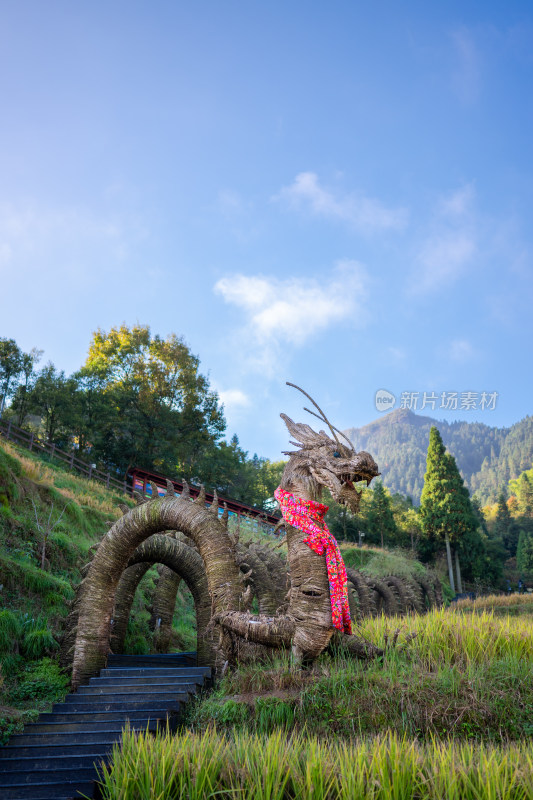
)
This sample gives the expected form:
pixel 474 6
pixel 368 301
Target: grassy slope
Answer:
pixel 450 716
pixel 467 675
pixel 34 601
pixel 278 767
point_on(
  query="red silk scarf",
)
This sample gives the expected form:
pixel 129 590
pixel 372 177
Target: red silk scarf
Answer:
pixel 308 516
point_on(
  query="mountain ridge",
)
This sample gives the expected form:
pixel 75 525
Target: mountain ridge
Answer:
pixel 487 456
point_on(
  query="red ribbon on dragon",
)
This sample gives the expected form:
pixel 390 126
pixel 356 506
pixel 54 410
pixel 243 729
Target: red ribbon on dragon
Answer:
pixel 308 516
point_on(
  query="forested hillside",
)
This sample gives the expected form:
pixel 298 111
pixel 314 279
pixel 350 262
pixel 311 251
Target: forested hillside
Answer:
pixel 138 400
pixel 487 457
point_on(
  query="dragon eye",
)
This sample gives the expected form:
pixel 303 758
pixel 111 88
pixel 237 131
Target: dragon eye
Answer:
pixel 336 454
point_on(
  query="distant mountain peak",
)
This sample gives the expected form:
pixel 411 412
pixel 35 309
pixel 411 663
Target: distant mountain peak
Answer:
pixel 397 416
pixel 486 456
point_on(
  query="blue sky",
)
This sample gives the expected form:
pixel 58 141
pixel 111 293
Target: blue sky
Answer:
pixel 335 194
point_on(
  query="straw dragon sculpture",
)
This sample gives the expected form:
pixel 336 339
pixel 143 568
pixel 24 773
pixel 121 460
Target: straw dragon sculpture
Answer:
pixel 194 542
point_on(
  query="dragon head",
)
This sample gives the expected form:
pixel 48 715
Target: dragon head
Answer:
pixel 324 461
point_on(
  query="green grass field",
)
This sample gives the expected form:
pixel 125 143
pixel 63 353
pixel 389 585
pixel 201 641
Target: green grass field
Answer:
pixel 448 715
pixel 281 766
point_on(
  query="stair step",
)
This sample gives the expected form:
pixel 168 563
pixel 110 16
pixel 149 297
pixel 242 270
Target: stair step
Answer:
pixel 124 710
pixel 56 757
pixel 131 698
pixel 108 715
pixel 145 680
pixel 151 662
pixel 79 737
pixel 136 689
pixel 128 699
pixel 153 657
pixel 39 751
pixel 160 692
pixel 49 791
pixel 133 671
pixel 125 702
pixel 49 761
pixel 51 775
pixel 89 726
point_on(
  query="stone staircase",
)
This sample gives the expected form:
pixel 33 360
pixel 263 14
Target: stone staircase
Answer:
pixel 55 757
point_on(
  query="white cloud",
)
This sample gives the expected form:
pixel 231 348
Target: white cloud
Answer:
pixel 442 260
pixel 396 355
pixel 366 214
pixel 234 399
pixel 59 241
pixel 459 203
pixel 461 351
pixel 447 252
pixel 5 253
pixel 231 202
pixel 467 73
pixel 283 313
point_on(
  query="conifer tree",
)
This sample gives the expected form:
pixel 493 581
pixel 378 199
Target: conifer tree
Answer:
pixel 380 517
pixel 505 526
pixel 524 553
pixel 525 495
pixel 445 510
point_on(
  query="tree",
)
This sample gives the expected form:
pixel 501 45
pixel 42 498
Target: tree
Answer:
pixel 45 528
pixel 524 554
pixel 27 376
pixel 469 545
pixel 445 510
pixel 411 524
pixel 490 568
pixel 380 520
pixel 55 398
pixel 165 417
pixel 505 527
pixel 525 495
pixel 10 368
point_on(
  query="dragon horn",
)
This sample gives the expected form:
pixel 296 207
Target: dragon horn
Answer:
pixel 324 418
pixel 333 427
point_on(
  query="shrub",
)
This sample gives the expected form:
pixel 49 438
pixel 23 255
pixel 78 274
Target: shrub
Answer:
pixel 10 664
pixel 271 713
pixel 38 640
pixel 43 680
pixel 10 631
pixel 136 644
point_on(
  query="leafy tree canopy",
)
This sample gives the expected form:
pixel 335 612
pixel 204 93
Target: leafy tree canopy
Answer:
pixel 161 413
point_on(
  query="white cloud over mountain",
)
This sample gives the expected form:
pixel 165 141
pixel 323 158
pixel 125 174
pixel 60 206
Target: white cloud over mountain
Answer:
pixel 366 214
pixel 287 313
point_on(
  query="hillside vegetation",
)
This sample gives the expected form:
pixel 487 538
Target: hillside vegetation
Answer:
pixel 488 457
pixel 40 504
pixel 446 714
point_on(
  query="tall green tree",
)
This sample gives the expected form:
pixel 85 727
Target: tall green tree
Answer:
pixel 495 554
pixel 445 509
pixel 166 418
pixel 26 383
pixel 380 520
pixel 524 554
pixel 54 397
pixel 525 495
pixel 11 364
pixel 505 527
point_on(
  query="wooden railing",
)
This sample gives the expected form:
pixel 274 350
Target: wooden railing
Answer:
pixel 140 479
pixel 31 442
